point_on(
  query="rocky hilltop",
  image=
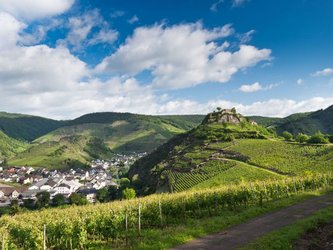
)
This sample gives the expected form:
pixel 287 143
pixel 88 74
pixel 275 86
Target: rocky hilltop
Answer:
pixel 224 116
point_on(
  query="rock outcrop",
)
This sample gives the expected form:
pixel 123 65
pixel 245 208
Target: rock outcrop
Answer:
pixel 224 116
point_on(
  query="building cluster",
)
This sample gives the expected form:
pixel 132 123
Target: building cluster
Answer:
pixel 30 181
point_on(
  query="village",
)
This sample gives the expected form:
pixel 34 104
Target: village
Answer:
pixel 21 183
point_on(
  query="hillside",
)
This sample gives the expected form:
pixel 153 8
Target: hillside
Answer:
pixel 308 123
pixel 222 153
pixel 9 146
pixel 26 127
pixel 98 135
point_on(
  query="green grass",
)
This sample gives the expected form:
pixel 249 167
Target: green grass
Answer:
pixel 9 146
pixel 285 238
pixel 286 157
pixel 191 229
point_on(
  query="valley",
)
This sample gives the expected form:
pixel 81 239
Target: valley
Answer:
pixel 192 167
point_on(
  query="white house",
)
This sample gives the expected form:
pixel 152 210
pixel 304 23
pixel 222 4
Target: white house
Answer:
pixel 37 185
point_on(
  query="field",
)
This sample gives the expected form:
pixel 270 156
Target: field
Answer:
pixel 123 221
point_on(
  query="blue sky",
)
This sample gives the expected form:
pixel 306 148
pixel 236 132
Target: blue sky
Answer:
pixel 65 58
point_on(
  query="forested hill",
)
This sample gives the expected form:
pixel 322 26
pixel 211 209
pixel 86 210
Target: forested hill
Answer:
pixel 26 127
pixel 307 123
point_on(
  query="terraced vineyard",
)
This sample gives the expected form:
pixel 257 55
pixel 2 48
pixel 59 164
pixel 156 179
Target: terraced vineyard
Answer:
pixel 206 163
pixel 180 181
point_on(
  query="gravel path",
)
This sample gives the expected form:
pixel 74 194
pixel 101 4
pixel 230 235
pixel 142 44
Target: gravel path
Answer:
pixel 242 234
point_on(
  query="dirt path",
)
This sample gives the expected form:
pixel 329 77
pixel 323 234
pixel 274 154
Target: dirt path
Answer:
pixel 242 234
pixel 255 166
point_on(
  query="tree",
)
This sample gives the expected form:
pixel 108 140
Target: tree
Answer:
pixel 77 199
pixel 287 136
pixel 318 138
pixel 29 203
pixel 128 193
pixel 113 192
pixel 301 138
pixel 14 207
pixel 43 199
pixel 219 109
pixel 125 183
pixel 4 162
pixel 59 200
pixel 102 194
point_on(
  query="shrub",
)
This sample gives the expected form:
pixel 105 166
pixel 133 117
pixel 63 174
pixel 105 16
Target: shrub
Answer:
pixel 128 193
pixel 287 136
pixel 318 138
pixel 301 138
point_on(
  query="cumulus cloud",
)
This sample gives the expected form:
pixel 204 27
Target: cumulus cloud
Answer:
pixel 82 31
pixel 9 31
pixel 324 72
pixel 182 56
pixel 271 107
pixel 34 9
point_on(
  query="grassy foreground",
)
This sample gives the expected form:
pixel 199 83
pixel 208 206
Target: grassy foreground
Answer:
pixel 194 228
pixel 286 237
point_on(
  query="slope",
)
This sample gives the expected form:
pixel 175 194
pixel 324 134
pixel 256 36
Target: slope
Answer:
pixel 307 123
pixel 98 135
pixel 217 154
pixel 10 146
pixel 26 127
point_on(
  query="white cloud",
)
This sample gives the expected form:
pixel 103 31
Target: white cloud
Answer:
pixel 238 3
pixel 215 5
pixel 182 56
pixel 248 88
pixel 81 31
pixel 133 19
pixel 324 72
pixel 34 9
pixel 271 107
pixel 300 81
pixel 9 31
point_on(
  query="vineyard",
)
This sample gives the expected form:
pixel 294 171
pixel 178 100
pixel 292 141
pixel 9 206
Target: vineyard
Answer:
pixel 118 222
pixel 292 159
pixel 180 181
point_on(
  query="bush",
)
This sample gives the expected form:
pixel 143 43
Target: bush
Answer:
pixel 59 200
pixel 128 193
pixel 287 136
pixel 318 138
pixel 77 199
pixel 301 138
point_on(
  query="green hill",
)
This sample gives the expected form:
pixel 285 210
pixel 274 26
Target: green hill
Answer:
pixel 223 153
pixel 26 127
pixel 307 123
pixel 9 146
pixel 98 135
